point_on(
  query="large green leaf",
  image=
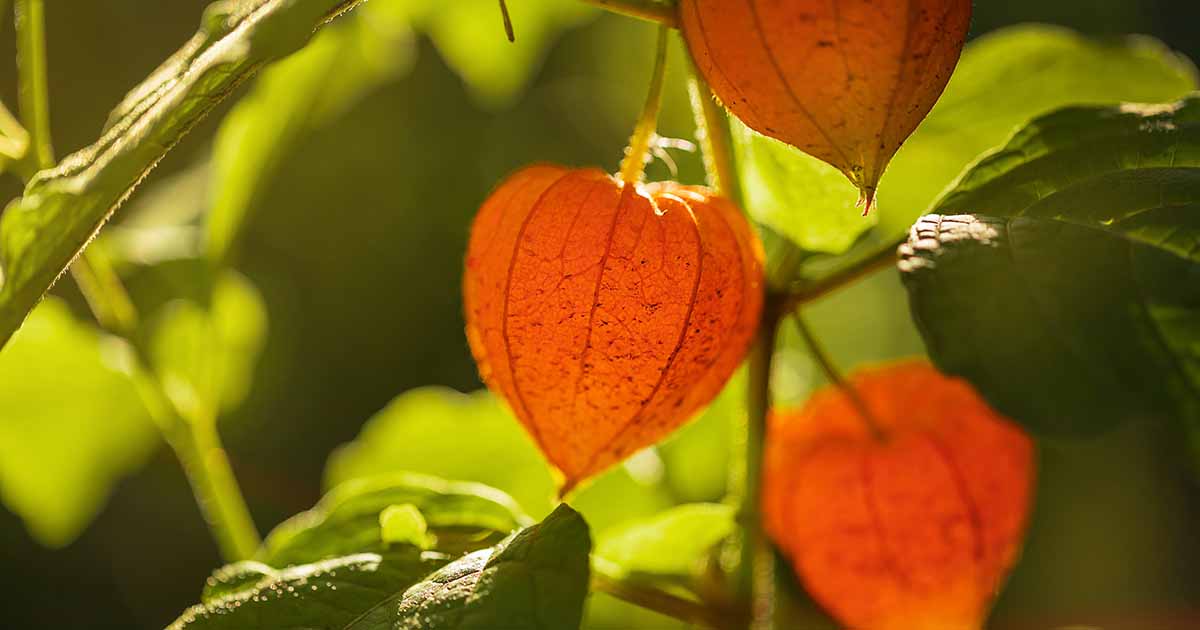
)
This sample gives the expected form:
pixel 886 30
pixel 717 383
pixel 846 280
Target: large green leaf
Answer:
pixel 349 519
pixel 1054 323
pixel 536 580
pixel 293 98
pixel 411 434
pixel 71 422
pixel 1070 295
pixel 1131 170
pixel 356 592
pixel 205 354
pixel 63 207
pixel 1003 80
pixel 330 567
pixel 673 545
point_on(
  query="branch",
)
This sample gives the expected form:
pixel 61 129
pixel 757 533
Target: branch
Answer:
pixel 64 207
pixel 661 11
pixel 865 266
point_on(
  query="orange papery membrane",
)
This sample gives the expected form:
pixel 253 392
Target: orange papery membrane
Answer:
pixel 846 81
pixel 908 520
pixel 607 314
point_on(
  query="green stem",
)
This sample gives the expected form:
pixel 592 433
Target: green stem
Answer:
pixel 712 132
pixel 755 581
pixel 33 90
pixel 207 466
pixel 834 375
pixel 872 262
pixel 660 11
pixel 605 580
pixel 104 293
pixel 634 165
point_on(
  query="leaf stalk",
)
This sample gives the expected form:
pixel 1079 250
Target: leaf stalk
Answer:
pixel 633 167
pixel 660 11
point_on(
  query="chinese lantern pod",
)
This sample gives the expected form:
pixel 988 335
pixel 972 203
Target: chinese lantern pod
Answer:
pixel 846 81
pixel 606 314
pixel 914 529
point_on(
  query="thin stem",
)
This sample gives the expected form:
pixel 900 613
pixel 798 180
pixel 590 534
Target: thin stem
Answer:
pixel 104 293
pixel 712 132
pixel 865 266
pixel 634 165
pixel 605 580
pixel 207 466
pixel 835 377
pixel 34 93
pixel 756 568
pixel 660 11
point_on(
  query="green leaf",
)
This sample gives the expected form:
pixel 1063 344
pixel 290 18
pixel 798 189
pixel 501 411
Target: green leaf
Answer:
pixel 1071 298
pixel 405 524
pixel 340 564
pixel 800 197
pixel 63 207
pixel 410 434
pixel 536 580
pixel 1131 170
pixel 470 35
pixel 697 457
pixel 1009 77
pixel 293 98
pixel 463 516
pixel 205 355
pixel 674 544
pixel 1064 328
pixel 1003 80
pixel 355 592
pixel 71 422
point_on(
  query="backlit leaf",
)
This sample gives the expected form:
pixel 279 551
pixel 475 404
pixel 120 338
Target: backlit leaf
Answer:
pixel 71 422
pixel 63 207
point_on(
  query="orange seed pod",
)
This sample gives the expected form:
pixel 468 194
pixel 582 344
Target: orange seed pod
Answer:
pixel 913 528
pixel 846 81
pixel 607 314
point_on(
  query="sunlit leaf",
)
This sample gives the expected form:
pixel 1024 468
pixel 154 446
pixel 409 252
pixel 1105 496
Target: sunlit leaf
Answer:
pixel 410 434
pixel 71 422
pixel 537 579
pixel 335 567
pixel 674 544
pixel 801 197
pixel 293 98
pixel 354 592
pixel 63 207
pixel 205 355
pixel 349 518
pixel 470 35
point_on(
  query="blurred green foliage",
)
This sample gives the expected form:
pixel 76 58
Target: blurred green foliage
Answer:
pixel 347 176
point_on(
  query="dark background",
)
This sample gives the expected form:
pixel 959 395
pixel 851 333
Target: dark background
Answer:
pixel 358 251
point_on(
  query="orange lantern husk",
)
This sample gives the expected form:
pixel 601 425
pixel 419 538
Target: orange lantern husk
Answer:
pixel 912 524
pixel 607 314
